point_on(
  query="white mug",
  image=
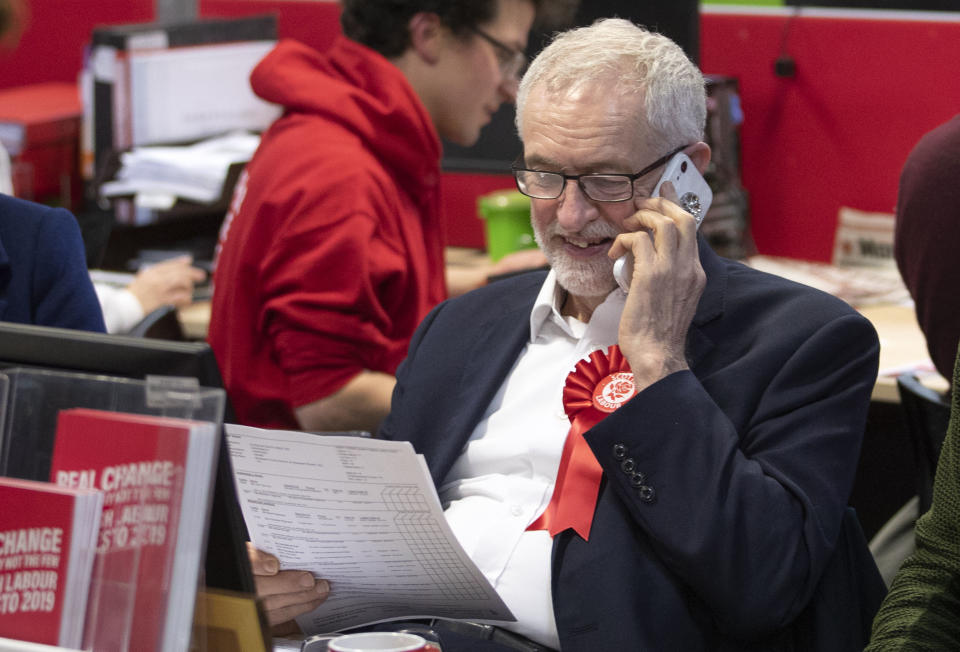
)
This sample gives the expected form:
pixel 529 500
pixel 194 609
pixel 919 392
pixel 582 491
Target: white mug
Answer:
pixel 378 642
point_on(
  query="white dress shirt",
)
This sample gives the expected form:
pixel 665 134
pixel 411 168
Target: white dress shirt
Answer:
pixel 6 173
pixel 121 309
pixel 504 477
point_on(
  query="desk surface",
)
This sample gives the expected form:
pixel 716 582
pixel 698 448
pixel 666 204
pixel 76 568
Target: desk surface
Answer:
pixel 902 348
pixel 902 345
pixel 195 319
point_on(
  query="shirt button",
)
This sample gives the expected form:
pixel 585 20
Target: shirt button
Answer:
pixel 516 510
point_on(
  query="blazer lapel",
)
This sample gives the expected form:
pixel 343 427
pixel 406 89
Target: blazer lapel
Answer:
pixel 497 346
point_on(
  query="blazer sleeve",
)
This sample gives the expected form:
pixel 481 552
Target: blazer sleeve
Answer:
pixel 62 293
pixel 748 518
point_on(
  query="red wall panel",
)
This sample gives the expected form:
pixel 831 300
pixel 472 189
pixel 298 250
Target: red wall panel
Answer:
pixel 866 88
pixel 868 85
pixel 460 191
pixel 57 31
pixel 314 22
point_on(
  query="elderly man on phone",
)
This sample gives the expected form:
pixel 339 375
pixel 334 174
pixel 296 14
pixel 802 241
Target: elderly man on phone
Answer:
pixel 664 467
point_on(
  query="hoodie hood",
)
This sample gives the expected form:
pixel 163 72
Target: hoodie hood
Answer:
pixel 359 89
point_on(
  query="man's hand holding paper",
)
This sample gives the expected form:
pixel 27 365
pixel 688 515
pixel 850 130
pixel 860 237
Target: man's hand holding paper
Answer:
pixel 285 594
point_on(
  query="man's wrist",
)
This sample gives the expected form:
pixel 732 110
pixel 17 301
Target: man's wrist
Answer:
pixel 651 368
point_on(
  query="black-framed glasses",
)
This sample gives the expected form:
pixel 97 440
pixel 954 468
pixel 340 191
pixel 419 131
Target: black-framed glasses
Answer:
pixel 512 61
pixel 540 184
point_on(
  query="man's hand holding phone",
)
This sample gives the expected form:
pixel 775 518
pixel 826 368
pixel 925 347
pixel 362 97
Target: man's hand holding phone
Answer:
pixel 691 192
pixel 666 282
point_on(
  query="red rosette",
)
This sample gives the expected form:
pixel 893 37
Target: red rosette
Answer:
pixel 596 387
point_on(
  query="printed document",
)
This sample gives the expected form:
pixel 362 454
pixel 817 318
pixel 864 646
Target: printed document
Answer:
pixel 363 514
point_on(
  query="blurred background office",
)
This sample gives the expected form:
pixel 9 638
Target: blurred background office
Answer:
pixel 814 109
pixel 821 131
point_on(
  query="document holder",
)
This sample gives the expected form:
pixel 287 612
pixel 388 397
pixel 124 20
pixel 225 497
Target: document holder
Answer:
pixel 152 447
pixel 28 417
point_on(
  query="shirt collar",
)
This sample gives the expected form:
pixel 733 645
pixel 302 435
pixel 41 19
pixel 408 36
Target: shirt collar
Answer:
pixel 546 308
pixel 547 305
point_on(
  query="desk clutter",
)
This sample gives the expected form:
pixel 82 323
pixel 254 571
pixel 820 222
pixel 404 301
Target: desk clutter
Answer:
pixel 862 271
pixel 158 176
pixel 172 85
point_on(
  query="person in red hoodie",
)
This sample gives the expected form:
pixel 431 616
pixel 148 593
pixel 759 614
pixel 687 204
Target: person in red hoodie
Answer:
pixel 332 250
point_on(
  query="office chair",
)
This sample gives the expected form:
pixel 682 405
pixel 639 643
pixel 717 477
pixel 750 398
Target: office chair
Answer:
pixel 926 414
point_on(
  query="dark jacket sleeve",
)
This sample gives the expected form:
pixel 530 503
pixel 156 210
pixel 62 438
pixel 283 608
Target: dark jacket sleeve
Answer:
pixel 61 292
pixel 749 520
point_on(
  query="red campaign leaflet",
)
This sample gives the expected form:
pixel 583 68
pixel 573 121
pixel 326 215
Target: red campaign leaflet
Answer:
pixel 156 474
pixel 47 540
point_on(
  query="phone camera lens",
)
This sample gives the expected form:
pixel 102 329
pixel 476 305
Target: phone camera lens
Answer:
pixel 683 166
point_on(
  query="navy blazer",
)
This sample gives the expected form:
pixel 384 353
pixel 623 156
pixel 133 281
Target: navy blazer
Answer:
pixel 43 270
pixel 751 456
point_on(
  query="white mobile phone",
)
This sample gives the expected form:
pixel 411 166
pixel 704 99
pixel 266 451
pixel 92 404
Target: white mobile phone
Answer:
pixel 694 196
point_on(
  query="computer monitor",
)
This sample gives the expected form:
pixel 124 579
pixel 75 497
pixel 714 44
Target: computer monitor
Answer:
pixel 25 345
pixel 42 347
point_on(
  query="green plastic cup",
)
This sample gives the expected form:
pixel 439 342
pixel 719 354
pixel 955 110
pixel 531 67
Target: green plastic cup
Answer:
pixel 507 217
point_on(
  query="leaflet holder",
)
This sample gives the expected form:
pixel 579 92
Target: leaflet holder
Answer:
pixel 29 418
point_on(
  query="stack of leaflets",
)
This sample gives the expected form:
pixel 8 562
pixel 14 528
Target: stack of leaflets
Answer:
pixel 156 475
pixel 48 535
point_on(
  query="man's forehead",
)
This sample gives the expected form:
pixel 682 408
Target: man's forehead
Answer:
pixel 585 98
pixel 583 123
pixel 575 91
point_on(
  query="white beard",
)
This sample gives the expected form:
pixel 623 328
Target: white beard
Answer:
pixel 590 278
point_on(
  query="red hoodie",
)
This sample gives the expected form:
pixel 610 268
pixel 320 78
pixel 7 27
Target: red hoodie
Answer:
pixel 332 251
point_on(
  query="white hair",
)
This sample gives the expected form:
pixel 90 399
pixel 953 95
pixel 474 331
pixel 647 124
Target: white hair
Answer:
pixel 635 61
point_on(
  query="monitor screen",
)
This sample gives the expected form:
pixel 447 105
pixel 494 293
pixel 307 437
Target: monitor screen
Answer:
pixel 22 345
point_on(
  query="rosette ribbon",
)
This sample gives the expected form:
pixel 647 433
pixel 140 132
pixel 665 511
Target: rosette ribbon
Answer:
pixel 596 387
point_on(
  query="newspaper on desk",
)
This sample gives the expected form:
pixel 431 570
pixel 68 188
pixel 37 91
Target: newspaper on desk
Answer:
pixel 862 271
pixel 857 285
pixel 363 514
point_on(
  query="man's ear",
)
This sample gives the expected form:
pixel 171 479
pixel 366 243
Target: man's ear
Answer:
pixel 699 153
pixel 426 36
